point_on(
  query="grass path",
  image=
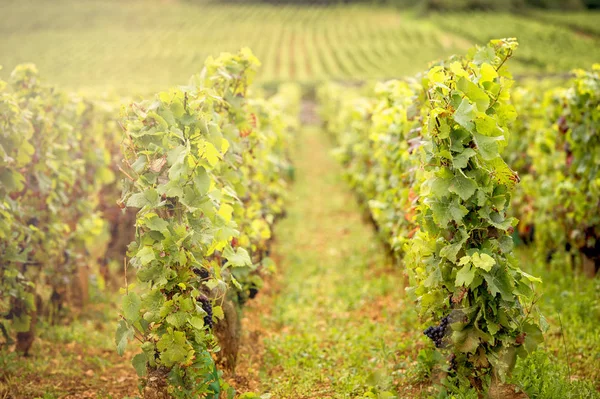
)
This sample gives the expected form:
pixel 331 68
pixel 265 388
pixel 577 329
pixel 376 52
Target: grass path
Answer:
pixel 336 322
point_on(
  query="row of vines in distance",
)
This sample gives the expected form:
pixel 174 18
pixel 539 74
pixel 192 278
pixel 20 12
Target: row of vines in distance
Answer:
pixel 57 174
pixel 206 165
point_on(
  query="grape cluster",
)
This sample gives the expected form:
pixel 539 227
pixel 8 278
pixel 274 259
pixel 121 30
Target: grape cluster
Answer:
pixel 203 273
pixel 252 291
pixel 452 365
pixel 437 334
pixel 207 307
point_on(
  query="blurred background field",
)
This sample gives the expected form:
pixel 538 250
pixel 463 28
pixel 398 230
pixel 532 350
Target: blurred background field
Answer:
pixel 146 45
pixel 138 47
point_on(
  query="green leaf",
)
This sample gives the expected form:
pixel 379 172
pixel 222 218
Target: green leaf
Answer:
pixel 483 261
pixel 439 186
pixel 461 160
pixel 210 153
pixel 196 322
pixel 202 181
pixel 177 319
pixel 237 258
pixel 149 198
pixel 11 180
pixel 533 337
pixel 499 283
pixel 139 364
pixel 474 93
pixel 157 224
pixel 123 335
pixel 171 189
pixel 484 55
pixel 488 126
pixel 503 174
pixel 464 114
pixel 445 210
pixel 506 244
pixel 487 146
pixel 465 276
pixel 22 323
pixel 177 155
pixel 174 348
pixel 152 303
pixel 146 255
pixel 466 340
pixel 463 187
pixel 218 312
pixel 192 199
pixel 131 305
pixel 529 277
pixel 450 251
pixel 457 211
pixel 464 260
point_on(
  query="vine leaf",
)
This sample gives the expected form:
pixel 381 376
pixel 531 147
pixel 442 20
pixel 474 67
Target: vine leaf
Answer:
pixel 202 181
pixel 174 348
pixel 461 160
pixel 123 335
pixel 465 276
pixel 139 364
pixel 157 224
pixel 463 187
pixel 533 337
pixel 474 93
pixel 146 255
pixel 446 210
pixel 466 340
pixel 177 319
pixel 464 115
pixel 131 305
pixel 196 322
pixel 498 283
pixel 146 198
pixel 529 277
pixel 487 146
pixel 488 73
pixel 237 258
pixel 483 261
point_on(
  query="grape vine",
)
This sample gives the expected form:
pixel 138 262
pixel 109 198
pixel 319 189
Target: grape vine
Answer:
pixel 207 199
pixel 54 164
pixel 425 155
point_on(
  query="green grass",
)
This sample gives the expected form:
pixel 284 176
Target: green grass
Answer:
pixel 543 47
pixel 74 358
pixel 570 302
pixel 581 21
pixel 141 46
pixel 338 323
pixel 148 45
pixel 342 325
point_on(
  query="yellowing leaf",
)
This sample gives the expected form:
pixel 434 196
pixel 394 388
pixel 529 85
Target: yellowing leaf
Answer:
pixel 483 261
pixel 224 146
pixel 226 212
pixel 457 68
pixel 488 73
pixel 210 153
pixel 436 74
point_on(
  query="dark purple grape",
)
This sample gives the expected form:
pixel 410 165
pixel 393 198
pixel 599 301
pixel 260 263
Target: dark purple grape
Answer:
pixel 203 273
pixel 438 333
pixel 207 307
